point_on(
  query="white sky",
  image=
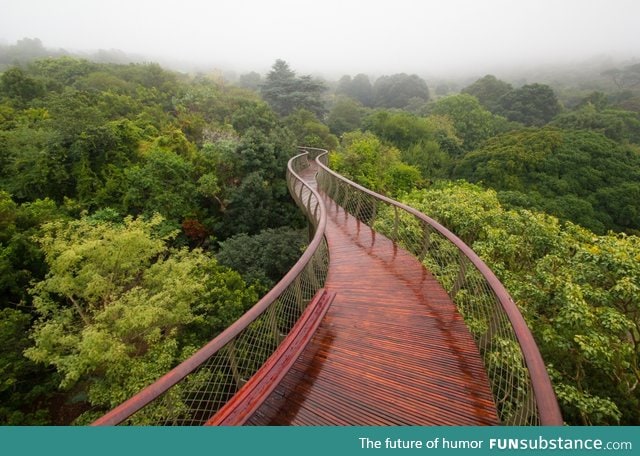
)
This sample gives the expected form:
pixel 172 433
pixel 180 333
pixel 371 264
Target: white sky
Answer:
pixel 335 36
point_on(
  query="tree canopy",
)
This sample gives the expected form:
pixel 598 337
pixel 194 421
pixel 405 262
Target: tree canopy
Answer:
pixel 489 90
pixel 472 122
pixel 118 307
pixel 285 92
pixel 399 90
pixel 554 170
pixel 531 105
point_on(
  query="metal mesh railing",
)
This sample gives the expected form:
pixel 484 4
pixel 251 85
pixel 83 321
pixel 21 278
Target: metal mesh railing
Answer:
pixel 197 388
pixel 520 384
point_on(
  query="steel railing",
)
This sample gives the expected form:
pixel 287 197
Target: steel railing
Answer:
pixel 521 387
pixel 197 388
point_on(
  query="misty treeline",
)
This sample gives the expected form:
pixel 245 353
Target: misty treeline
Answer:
pixel 142 211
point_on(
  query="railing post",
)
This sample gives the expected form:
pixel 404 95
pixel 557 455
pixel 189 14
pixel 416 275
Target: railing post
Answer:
pixel 345 203
pixel 299 295
pixel 273 322
pixel 309 203
pixel 300 195
pixel 396 220
pixel 357 210
pixel 375 213
pixel 426 242
pixel 233 362
pixel 460 278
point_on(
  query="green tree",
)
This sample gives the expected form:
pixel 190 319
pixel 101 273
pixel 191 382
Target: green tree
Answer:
pixel 531 105
pixel 162 183
pixel 359 88
pixel 35 163
pixel 365 159
pixel 488 90
pixel 265 257
pixel 618 125
pixel 21 380
pixel 250 81
pixel 557 168
pixel 309 131
pixel 285 92
pixel 473 123
pixel 119 308
pixel 401 129
pixel 628 77
pixel 19 87
pixel 398 90
pixel 345 115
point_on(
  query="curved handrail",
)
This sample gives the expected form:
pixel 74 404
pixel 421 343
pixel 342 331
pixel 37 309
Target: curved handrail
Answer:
pixel 198 387
pixel 480 296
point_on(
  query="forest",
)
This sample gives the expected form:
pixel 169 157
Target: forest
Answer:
pixel 143 210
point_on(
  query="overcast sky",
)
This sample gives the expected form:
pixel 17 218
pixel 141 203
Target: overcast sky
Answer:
pixel 335 36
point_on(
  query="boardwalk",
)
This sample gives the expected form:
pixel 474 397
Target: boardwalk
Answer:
pixel 392 350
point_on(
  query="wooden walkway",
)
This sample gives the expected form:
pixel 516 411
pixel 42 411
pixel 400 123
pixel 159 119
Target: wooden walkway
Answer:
pixel 391 350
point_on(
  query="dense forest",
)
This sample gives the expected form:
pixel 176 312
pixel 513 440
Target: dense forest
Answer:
pixel 143 210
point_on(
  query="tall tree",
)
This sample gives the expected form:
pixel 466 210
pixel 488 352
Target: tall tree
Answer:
pixel 532 105
pixel 345 115
pixel 285 92
pixel 398 90
pixel 359 88
pixel 472 122
pixel 119 308
pixel 488 90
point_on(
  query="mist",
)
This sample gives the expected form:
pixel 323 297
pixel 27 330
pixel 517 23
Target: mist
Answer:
pixel 334 37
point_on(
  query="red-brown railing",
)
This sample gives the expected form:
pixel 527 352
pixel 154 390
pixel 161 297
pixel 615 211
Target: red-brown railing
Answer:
pixel 192 392
pixel 521 386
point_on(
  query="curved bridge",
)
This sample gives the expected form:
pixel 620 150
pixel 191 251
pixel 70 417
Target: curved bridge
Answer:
pixel 386 319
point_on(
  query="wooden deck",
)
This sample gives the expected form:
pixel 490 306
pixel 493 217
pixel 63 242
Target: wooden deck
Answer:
pixel 391 350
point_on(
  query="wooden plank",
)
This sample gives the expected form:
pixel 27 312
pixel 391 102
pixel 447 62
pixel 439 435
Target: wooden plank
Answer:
pixel 251 396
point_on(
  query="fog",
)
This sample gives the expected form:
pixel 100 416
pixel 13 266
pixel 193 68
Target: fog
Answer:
pixel 334 37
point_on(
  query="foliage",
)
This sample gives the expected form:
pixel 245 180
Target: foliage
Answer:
pixel 488 90
pixel 309 131
pixel 556 169
pixel 618 125
pixel 285 92
pixel 627 77
pixel 473 123
pixel 118 307
pixel 163 184
pixel 531 105
pixel 265 257
pixel 400 128
pixel 578 292
pixel 363 158
pixel 345 115
pixel 427 143
pixel 250 80
pixel 399 90
pixel 359 89
pixel 18 86
pixel 15 370
pixel 20 258
pixel 114 141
